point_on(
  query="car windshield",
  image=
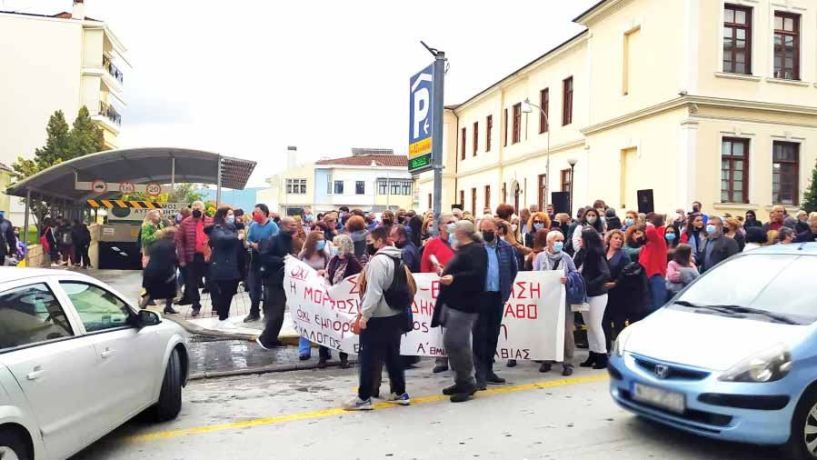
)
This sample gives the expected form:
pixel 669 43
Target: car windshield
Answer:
pixel 764 287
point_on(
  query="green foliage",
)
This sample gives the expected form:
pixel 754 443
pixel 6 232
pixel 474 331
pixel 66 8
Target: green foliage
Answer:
pixel 810 196
pixel 62 143
pixel 183 193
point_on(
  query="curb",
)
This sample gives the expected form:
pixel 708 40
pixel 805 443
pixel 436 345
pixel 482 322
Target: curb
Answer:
pixel 262 370
pixel 198 330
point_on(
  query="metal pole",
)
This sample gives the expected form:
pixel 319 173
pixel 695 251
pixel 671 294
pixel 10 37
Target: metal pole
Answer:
pixel 25 218
pixel 173 175
pixel 218 184
pixel 437 133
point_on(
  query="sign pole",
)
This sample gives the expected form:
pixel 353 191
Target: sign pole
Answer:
pixel 437 133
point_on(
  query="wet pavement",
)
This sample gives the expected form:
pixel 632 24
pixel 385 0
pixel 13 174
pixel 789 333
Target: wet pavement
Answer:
pixel 210 358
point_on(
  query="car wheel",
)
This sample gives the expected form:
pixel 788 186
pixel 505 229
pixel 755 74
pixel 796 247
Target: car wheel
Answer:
pixel 802 443
pixel 170 399
pixel 12 446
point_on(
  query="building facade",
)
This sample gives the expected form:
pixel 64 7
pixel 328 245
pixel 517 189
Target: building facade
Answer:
pixel 706 100
pixel 57 62
pixel 369 179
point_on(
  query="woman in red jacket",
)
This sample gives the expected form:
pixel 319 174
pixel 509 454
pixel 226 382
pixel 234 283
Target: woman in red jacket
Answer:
pixel 654 259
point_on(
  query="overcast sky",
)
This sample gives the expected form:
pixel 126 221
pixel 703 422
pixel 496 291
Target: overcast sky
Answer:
pixel 247 78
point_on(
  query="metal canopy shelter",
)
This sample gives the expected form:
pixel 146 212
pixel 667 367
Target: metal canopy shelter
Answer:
pixel 137 166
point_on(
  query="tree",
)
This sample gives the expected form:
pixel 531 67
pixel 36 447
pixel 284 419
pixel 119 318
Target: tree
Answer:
pixel 810 197
pixel 62 144
pixel 183 193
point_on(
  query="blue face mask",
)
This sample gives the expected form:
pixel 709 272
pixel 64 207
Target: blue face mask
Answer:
pixel 321 245
pixel 451 239
pixel 558 246
pixel 711 229
pixel 333 252
pixel 451 228
pixel 629 221
pixel 670 237
pixel 230 219
pixel 538 227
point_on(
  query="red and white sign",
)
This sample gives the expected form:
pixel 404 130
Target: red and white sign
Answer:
pixel 153 189
pixel 127 187
pixel 99 186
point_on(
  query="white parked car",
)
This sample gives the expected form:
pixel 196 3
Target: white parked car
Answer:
pixel 77 361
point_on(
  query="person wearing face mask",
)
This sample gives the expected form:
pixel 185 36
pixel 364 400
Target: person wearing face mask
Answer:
pixel 671 234
pixel 654 259
pixel 437 253
pixel 501 272
pixel 590 260
pixel 590 219
pixel 555 258
pixel 634 240
pixel 261 228
pixel 271 254
pixel 538 221
pixel 193 251
pixel 409 251
pixel 315 254
pixel 504 230
pixel 462 288
pixel 717 247
pixel 381 326
pixel 225 243
pixel 695 235
pixel 630 218
pixel 342 265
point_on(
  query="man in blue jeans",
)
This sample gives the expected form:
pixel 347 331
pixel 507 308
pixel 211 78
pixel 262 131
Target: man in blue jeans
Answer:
pixel 262 228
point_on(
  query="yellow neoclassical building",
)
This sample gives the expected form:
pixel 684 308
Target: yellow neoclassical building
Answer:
pixel 706 100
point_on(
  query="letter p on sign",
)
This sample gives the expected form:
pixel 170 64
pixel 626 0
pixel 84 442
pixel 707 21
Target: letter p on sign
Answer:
pixel 421 99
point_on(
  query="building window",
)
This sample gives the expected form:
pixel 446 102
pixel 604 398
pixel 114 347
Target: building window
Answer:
pixel 786 173
pixel 489 126
pixel 462 146
pixel 505 136
pixel 475 136
pixel 544 102
pixel 504 192
pixel 735 170
pixel 394 187
pixel 566 180
pixel 543 191
pixel 567 102
pixel 296 186
pixel 360 187
pixel 786 46
pixel 430 205
pixel 474 201
pixel 462 200
pixel 737 39
pixel 338 188
pixel 487 196
pixel 516 133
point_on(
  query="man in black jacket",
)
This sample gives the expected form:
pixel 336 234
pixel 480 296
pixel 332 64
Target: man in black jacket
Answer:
pixel 717 247
pixel 8 242
pixel 272 253
pixel 810 235
pixel 457 307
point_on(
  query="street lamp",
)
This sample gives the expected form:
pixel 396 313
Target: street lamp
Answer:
pixel 527 107
pixel 572 162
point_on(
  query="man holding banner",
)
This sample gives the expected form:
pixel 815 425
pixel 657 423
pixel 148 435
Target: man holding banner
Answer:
pixel 380 325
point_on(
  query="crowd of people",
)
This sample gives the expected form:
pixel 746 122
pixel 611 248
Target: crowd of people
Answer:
pixel 615 271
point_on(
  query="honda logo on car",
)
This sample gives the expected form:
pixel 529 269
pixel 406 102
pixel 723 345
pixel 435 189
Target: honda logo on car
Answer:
pixel 661 371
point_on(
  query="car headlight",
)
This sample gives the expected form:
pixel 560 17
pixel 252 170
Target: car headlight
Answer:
pixel 621 340
pixel 768 366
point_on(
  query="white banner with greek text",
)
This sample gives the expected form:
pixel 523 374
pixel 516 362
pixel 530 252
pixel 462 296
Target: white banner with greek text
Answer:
pixel 532 325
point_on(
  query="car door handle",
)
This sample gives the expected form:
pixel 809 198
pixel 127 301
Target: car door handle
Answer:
pixel 107 353
pixel 35 374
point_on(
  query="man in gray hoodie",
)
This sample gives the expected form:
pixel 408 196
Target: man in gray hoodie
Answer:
pixel 381 325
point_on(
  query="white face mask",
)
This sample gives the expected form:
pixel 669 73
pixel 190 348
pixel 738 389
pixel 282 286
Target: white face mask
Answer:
pixel 591 219
pixel 514 227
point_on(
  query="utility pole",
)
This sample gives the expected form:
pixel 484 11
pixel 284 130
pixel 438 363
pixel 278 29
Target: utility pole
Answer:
pixel 438 108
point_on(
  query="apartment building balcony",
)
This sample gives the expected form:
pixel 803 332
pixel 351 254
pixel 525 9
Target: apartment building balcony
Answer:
pixel 113 70
pixel 108 117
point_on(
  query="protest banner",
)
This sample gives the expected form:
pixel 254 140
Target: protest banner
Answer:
pixel 532 326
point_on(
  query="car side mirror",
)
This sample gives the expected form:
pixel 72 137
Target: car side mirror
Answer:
pixel 147 318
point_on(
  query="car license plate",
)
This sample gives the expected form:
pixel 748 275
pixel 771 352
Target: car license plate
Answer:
pixel 657 397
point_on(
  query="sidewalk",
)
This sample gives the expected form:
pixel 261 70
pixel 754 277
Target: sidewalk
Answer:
pixel 129 283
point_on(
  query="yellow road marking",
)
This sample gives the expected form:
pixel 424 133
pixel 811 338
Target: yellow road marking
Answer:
pixel 323 413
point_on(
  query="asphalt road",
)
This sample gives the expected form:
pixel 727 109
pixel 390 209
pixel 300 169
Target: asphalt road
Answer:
pixel 296 415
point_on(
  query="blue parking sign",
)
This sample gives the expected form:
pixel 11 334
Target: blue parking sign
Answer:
pixel 420 120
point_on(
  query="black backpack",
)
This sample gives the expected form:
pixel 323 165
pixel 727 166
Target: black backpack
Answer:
pixel 398 296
